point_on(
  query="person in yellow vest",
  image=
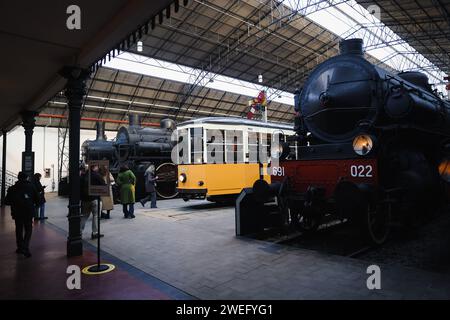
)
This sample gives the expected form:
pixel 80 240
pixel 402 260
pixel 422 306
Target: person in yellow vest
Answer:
pixel 127 182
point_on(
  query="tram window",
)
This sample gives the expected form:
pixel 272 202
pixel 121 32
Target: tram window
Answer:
pixel 196 145
pixel 214 146
pixel 234 146
pixel 264 151
pixel 253 140
pixel 181 152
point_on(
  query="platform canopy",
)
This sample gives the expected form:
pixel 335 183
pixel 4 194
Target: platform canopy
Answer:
pixel 113 94
pixel 36 44
pixel 280 42
pixel 237 39
pixel 424 24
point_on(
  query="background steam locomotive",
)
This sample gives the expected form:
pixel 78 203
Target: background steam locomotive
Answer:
pixel 138 147
pixel 378 151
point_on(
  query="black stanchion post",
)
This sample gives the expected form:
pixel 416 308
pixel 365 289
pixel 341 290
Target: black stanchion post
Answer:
pixel 98 234
pixel 99 267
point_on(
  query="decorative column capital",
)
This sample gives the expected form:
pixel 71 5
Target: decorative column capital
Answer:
pixel 28 119
pixel 76 84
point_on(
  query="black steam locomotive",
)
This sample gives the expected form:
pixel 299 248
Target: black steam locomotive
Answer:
pixel 138 147
pixel 375 149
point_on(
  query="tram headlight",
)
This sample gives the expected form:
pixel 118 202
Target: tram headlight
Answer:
pixel 280 150
pixel 276 150
pixel 182 178
pixel 363 144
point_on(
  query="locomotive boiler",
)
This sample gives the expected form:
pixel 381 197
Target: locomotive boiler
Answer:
pixel 100 148
pixel 138 147
pixel 375 150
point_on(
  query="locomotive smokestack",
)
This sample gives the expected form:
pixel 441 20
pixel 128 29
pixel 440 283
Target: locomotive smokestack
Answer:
pixel 351 46
pixel 100 129
pixel 134 120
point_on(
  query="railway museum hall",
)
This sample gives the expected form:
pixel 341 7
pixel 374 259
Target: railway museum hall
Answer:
pixel 225 150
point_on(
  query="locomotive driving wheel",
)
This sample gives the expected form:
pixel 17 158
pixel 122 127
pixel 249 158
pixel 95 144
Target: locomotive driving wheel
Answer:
pixel 376 222
pixel 167 178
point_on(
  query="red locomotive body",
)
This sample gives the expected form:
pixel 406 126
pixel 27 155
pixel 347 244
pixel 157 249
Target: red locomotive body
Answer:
pixel 325 173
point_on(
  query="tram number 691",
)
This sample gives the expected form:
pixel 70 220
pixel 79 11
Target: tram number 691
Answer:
pixel 361 171
pixel 278 171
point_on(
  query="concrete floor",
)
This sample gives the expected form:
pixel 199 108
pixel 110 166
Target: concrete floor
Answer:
pixel 44 276
pixel 192 247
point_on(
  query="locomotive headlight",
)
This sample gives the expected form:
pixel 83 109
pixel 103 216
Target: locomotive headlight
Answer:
pixel 363 144
pixel 182 178
pixel 444 169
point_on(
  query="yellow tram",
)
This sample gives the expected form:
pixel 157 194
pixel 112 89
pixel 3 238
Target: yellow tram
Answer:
pixel 219 156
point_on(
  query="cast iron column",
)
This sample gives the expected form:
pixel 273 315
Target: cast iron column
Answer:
pixel 75 90
pixel 28 123
pixel 4 168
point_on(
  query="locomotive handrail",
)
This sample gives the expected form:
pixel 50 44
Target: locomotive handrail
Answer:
pixel 412 87
pixel 345 109
pixel 442 106
pixel 351 81
pixel 409 126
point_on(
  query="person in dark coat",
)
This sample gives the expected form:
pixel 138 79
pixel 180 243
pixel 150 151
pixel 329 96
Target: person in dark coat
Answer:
pixel 150 190
pixel 22 197
pixel 40 189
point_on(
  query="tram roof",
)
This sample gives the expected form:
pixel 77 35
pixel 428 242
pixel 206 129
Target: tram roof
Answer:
pixel 233 121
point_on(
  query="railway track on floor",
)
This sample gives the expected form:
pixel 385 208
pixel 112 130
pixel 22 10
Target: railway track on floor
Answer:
pixel 331 238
